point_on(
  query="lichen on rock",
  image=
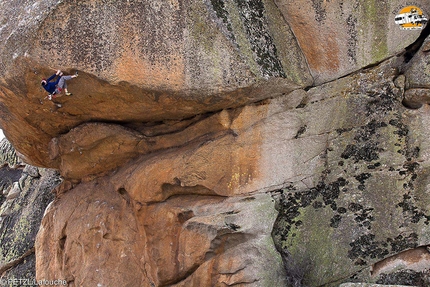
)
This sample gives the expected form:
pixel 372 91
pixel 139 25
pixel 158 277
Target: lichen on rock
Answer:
pixel 363 208
pixel 215 142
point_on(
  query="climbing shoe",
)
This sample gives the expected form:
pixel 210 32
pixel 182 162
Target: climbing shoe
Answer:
pixel 68 94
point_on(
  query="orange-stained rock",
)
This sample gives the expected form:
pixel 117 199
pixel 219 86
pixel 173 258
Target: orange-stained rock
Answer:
pixel 95 148
pixel 94 234
pixel 90 236
pixel 96 101
pixel 194 203
pixel 339 37
pixel 195 127
pixel 137 67
pixel 134 66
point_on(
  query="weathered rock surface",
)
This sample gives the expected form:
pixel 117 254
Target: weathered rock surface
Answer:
pixel 205 240
pixel 339 37
pixel 207 57
pixel 257 143
pixel 336 150
pixel 367 198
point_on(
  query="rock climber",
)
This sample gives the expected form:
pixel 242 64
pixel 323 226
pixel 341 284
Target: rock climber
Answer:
pixel 56 87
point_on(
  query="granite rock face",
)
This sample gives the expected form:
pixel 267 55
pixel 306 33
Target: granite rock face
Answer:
pixel 203 241
pixel 340 37
pixel 210 55
pixel 243 142
pixel 366 199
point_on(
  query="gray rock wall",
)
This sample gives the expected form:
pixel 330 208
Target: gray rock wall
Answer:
pixel 366 198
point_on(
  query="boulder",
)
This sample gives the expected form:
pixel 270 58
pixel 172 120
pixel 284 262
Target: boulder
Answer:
pixel 214 143
pixel 345 162
pixel 205 240
pixel 206 58
pixel 140 68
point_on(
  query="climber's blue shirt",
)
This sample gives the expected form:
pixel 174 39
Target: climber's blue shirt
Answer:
pixel 51 86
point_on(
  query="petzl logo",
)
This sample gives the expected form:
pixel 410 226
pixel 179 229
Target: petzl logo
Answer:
pixel 411 18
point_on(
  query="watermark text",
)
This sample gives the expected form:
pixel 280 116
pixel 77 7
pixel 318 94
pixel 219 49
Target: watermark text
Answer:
pixel 31 282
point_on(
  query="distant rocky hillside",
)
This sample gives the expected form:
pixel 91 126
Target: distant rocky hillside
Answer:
pixel 217 143
pixel 25 193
